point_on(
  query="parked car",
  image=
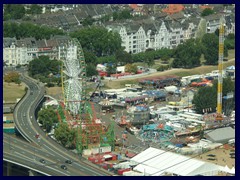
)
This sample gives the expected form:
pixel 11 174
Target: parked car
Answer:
pixel 211 155
pixel 42 161
pixel 68 161
pixel 64 167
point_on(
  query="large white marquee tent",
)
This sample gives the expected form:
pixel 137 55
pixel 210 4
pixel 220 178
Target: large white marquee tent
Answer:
pixel 156 162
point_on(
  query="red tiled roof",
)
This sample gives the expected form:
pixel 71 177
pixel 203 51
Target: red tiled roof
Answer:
pixel 206 7
pixel 173 8
pixel 133 6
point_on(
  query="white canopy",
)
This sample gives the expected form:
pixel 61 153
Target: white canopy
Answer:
pixel 155 162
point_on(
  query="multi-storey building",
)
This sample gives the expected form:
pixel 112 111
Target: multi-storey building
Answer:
pixel 167 32
pixel 24 50
pixel 230 25
pixel 9 51
pixel 212 22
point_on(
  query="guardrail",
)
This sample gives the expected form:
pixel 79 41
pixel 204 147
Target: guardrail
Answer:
pixel 28 167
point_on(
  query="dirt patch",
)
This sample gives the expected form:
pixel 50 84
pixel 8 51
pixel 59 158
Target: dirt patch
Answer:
pixel 119 83
pixel 55 92
pixel 222 156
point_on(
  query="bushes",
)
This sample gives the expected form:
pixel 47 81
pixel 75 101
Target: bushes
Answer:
pixel 163 67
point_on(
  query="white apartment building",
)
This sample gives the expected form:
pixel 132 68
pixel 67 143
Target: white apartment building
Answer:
pixel 138 38
pixel 213 22
pixel 24 50
pixel 9 55
pixel 167 33
pixel 162 38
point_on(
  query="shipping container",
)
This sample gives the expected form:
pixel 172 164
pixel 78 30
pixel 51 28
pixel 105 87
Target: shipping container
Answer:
pixel 121 171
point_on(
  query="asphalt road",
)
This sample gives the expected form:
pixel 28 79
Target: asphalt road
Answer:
pixel 26 123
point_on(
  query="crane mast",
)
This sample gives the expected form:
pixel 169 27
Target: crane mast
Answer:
pixel 220 69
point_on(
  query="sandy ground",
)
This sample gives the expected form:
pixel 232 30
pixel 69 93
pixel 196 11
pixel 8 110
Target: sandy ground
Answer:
pixel 12 91
pixel 222 157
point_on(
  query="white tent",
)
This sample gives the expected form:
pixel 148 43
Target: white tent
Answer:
pixel 101 67
pixel 172 89
pixel 231 68
pixel 232 171
pixel 155 162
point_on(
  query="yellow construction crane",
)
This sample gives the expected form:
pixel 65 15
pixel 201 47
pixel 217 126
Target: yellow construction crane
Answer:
pixel 220 70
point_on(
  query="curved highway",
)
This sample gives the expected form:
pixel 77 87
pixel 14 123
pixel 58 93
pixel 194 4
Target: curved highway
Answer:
pixel 27 125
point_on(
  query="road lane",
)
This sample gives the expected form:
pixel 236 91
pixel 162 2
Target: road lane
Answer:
pixel 29 128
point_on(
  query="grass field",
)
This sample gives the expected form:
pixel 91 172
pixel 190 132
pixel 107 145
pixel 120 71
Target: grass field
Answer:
pixel 12 91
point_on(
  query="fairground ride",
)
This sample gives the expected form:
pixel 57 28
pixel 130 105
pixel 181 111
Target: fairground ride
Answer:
pixel 75 109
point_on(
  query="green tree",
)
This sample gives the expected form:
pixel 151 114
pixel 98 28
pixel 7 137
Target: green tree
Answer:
pixel 207 12
pixel 98 40
pixel 88 21
pixel 111 69
pixel 90 58
pixel 187 55
pixel 91 70
pixel 210 44
pixel 149 59
pixel 132 68
pixel 35 9
pixel 115 16
pixel 47 117
pixel 65 135
pixel 105 18
pixel 230 41
pixel 13 11
pixel 203 102
pixel 26 29
pixel 124 14
pixel 206 97
pixel 39 66
pixel 12 76
pixel 123 57
pixel 210 48
pixel 18 81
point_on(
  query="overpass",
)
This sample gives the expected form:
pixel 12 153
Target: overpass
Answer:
pixel 47 148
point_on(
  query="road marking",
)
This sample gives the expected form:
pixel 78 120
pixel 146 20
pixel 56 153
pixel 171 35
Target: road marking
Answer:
pixel 89 169
pixel 23 156
pixel 48 151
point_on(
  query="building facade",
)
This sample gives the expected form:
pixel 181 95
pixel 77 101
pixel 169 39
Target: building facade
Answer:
pixel 21 52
